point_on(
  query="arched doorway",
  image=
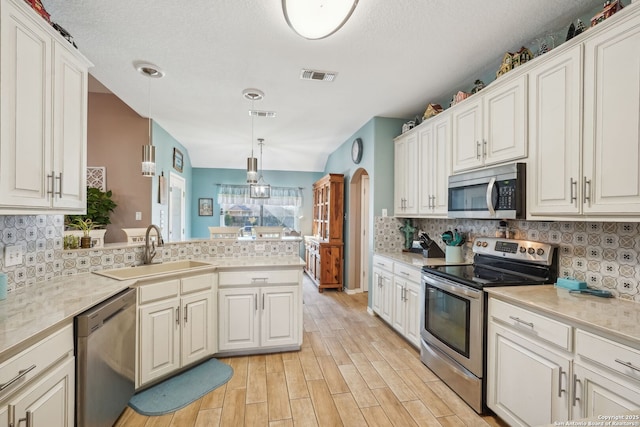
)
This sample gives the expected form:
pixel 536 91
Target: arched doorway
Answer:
pixel 358 277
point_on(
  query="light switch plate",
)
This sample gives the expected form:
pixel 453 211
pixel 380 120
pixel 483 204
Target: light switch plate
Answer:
pixel 12 255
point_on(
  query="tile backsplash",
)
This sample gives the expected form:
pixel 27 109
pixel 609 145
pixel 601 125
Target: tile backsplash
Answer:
pixel 41 238
pixel 604 254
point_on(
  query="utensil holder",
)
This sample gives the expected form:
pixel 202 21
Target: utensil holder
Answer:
pixel 453 254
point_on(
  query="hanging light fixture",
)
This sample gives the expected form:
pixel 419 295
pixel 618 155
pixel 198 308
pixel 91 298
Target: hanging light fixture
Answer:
pixel 260 190
pixel 149 150
pixel 317 19
pixel 252 163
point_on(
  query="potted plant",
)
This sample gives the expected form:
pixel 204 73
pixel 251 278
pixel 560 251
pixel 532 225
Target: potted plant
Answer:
pixel 84 225
pixel 99 208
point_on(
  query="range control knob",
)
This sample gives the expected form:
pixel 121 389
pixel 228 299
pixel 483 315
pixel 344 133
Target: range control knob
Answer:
pixel 531 251
pixel 485 244
pixel 540 251
pixel 523 249
pixel 478 243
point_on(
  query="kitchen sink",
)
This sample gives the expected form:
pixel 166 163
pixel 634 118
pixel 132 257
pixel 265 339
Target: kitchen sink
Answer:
pixel 149 270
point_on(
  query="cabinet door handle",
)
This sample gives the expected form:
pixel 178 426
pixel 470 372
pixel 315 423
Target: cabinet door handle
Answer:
pixel 628 364
pixel 575 389
pixel 50 184
pixel 560 374
pixel 484 149
pixel 519 320
pixel 478 150
pixel 586 197
pixel 255 299
pixel 21 373
pixel 178 316
pixel 186 314
pixel 59 178
pixel 573 190
pixel 28 419
pixel 262 301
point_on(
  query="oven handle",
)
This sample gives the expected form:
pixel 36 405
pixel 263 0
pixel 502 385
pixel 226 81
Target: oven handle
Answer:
pixel 490 188
pixel 451 286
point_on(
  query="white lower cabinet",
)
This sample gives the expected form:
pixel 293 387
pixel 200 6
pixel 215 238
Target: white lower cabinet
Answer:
pixel 541 370
pixel 406 304
pixel 49 402
pixel 527 381
pixel 39 384
pixel 260 310
pixel 396 296
pixel 176 325
pixel 382 287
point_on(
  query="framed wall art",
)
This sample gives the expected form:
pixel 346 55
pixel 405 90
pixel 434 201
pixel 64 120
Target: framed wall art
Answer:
pixel 205 207
pixel 177 159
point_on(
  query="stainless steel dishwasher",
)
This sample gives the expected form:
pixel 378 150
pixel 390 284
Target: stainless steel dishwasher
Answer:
pixel 105 360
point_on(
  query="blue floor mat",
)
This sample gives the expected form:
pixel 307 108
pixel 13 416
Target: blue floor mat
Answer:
pixel 181 390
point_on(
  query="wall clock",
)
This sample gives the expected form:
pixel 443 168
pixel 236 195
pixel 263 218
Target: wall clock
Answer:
pixel 356 150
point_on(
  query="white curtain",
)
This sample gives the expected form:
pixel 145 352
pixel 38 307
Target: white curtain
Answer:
pixel 239 195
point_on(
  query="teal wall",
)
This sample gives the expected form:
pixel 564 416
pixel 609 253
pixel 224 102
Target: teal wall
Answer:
pixel 377 160
pixel 204 185
pixel 165 143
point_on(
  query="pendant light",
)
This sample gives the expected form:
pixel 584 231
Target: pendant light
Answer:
pixel 149 150
pixel 260 190
pixel 252 163
pixel 317 19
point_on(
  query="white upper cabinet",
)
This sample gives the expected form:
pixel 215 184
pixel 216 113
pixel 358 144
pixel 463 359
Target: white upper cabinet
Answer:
pixel 406 174
pixel 491 127
pixel 584 126
pixel 555 89
pixel 434 140
pixel 43 116
pixel 611 181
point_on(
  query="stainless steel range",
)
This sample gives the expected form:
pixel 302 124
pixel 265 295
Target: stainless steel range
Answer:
pixel 453 315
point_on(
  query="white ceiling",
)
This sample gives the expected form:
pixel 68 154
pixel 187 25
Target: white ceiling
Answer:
pixel 393 57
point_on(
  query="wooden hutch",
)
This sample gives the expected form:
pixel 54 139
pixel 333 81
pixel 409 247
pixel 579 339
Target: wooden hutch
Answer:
pixel 324 251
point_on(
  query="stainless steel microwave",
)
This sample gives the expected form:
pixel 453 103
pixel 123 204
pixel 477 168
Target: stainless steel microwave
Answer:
pixel 491 193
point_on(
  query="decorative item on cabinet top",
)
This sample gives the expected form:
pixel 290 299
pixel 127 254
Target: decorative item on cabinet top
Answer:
pixel 459 97
pixel 38 7
pixel 432 110
pixel 513 60
pixel 610 7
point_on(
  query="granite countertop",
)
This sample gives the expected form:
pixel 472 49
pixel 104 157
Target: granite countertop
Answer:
pixel 32 313
pixel 611 317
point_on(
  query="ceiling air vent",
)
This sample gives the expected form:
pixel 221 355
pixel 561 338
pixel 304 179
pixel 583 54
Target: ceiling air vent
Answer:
pixel 261 113
pixel 324 76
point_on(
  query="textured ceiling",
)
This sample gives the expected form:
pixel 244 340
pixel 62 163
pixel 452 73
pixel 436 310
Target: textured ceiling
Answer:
pixel 392 58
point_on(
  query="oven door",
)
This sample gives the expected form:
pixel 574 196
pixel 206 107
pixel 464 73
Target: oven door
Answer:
pixel 452 320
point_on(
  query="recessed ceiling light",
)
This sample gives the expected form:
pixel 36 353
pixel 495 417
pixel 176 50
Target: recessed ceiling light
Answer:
pixel 149 70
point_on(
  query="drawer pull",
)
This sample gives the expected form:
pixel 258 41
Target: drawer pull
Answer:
pixel 21 373
pixel 405 273
pixel 259 279
pixel 623 363
pixel 519 320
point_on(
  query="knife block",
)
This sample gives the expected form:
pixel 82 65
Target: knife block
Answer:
pixel 433 251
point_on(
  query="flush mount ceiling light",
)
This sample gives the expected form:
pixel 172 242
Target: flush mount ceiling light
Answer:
pixel 149 150
pixel 252 163
pixel 317 19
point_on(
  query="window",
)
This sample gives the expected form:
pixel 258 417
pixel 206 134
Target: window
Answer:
pixel 238 210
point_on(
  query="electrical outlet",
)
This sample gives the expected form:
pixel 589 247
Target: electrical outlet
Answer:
pixel 260 247
pixel 12 255
pixel 384 212
pixel 138 216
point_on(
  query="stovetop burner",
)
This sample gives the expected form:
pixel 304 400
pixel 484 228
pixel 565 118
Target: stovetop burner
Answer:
pixel 502 262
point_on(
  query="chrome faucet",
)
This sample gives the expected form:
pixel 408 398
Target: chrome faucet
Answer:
pixel 150 246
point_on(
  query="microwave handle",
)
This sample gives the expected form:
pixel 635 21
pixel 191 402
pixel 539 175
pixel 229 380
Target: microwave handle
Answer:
pixel 490 187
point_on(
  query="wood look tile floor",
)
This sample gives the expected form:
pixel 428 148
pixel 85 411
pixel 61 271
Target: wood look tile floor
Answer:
pixel 352 370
